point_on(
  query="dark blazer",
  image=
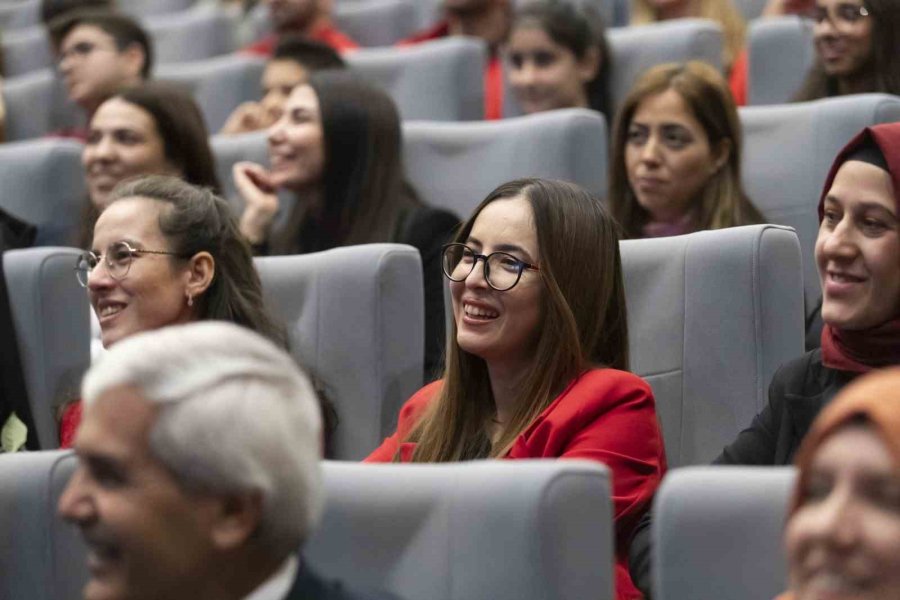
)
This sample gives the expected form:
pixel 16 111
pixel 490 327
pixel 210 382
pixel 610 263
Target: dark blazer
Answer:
pixel 799 390
pixel 310 586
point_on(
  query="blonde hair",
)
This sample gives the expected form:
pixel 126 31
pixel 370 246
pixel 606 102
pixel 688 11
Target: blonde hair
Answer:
pixel 723 12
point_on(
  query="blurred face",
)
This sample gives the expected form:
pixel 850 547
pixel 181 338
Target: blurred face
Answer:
pixel 545 75
pixel 153 294
pixel 858 249
pixel 93 68
pixel 500 327
pixel 123 142
pixel 843 36
pixel 292 14
pixel 296 142
pixel 279 79
pixel 667 156
pixel 844 540
pixel 146 536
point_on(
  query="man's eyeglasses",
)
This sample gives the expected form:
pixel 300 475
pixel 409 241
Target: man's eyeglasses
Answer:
pixel 117 259
pixel 502 270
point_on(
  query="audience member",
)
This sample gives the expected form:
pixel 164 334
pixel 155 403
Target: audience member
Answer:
pixel 99 53
pixel 676 155
pixel 537 356
pixel 307 18
pixel 558 57
pixel 198 471
pixel 53 9
pixel 151 129
pixel 294 59
pixel 723 12
pixel 488 20
pixel 857 44
pixel 858 257
pixel 843 533
pixel 171 253
pixel 780 8
pixel 336 151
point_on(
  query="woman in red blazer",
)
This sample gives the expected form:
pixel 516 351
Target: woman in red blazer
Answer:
pixel 538 353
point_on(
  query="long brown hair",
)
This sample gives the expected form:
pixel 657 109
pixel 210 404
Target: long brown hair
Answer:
pixel 722 202
pixel 584 324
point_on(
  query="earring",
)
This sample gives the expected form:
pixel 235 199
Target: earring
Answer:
pixel 190 300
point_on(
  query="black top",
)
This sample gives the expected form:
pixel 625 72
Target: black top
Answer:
pixel 310 586
pixel 799 390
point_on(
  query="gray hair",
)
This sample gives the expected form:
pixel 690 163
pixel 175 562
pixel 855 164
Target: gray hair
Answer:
pixel 236 415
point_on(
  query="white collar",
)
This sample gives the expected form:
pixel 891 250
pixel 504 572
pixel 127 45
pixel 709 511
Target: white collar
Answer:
pixel 279 584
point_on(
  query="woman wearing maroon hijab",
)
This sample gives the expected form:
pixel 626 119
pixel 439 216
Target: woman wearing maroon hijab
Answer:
pixel 858 258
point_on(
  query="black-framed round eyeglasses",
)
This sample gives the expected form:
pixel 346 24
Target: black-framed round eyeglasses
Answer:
pixel 117 259
pixel 502 270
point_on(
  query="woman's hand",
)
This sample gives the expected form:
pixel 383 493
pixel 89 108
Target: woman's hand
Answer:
pixel 261 202
pixel 249 116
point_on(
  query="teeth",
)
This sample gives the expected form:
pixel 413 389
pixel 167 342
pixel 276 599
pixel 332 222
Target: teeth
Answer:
pixel 110 310
pixel 474 311
pixel 838 278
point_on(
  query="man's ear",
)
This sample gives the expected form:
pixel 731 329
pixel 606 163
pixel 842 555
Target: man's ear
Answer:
pixel 135 58
pixel 589 65
pixel 201 270
pixel 237 519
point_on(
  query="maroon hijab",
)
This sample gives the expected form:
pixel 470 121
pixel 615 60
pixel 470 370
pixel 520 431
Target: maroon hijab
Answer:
pixel 862 351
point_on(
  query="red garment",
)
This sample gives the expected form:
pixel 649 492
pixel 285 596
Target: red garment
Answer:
pixel 737 81
pixel 862 351
pixel 71 133
pixel 68 425
pixel 326 34
pixel 604 415
pixel 493 70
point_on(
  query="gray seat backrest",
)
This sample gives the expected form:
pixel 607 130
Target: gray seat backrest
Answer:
pixel 36 105
pixel 717 533
pixel 218 84
pixel 781 53
pixel 146 8
pixel 377 22
pixel 635 49
pixel 530 530
pixel 50 315
pixel 441 80
pixel 614 13
pixel 20 15
pixel 750 9
pixel 196 34
pixel 42 182
pixel 455 165
pixel 26 50
pixel 230 149
pixel 41 558
pixel 788 150
pixel 355 319
pixel 711 316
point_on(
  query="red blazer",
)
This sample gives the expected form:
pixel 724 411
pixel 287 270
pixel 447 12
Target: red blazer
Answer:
pixel 604 415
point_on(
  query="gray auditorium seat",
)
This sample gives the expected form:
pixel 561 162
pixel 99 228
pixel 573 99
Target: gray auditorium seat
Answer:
pixel 50 316
pixel 529 530
pixel 614 13
pixel 635 49
pixel 455 165
pixel 788 150
pixel 146 8
pixel 781 53
pixel 42 182
pixel 218 84
pixel 196 34
pixel 717 533
pixel 229 149
pixel 377 22
pixel 711 316
pixel 441 80
pixel 26 50
pixel 35 105
pixel 19 15
pixel 750 9
pixel 355 317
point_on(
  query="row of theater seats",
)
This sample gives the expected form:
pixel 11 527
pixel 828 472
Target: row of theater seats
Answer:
pixel 787 152
pixel 530 530
pixel 711 317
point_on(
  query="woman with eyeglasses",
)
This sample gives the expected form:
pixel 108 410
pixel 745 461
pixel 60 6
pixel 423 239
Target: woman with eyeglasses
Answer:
pixel 537 354
pixel 857 44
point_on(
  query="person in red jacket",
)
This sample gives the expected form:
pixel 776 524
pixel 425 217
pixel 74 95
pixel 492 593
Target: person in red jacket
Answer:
pixel 537 354
pixel 308 18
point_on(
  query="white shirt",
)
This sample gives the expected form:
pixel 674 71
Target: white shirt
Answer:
pixel 279 584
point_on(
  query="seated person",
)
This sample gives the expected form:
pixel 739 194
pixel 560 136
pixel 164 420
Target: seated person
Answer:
pixel 676 155
pixel 99 53
pixel 858 257
pixel 294 59
pixel 336 151
pixel 488 20
pixel 558 57
pixel 723 12
pixel 843 533
pixel 537 355
pixel 857 45
pixel 307 18
pixel 198 471
pixel 780 8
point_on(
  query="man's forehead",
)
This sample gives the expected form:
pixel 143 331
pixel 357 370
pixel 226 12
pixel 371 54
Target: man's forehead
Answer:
pixel 117 423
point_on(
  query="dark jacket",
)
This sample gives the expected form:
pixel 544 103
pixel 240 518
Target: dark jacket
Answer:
pixel 799 390
pixel 310 586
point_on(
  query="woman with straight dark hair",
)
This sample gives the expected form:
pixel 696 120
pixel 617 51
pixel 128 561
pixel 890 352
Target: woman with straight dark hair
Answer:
pixel 558 57
pixel 336 152
pixel 857 45
pixel 537 356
